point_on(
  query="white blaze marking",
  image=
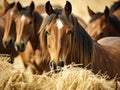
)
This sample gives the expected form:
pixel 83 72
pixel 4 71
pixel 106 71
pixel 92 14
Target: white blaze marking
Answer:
pixel 22 17
pixel 59 24
pixel 11 13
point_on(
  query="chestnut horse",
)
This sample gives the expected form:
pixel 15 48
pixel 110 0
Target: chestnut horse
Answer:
pixel 27 43
pixel 66 41
pixel 103 24
pixel 8 18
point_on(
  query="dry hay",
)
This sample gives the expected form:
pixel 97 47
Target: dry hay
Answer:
pixel 72 78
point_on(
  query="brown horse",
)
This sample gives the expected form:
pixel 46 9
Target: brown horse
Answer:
pixel 103 24
pixel 66 41
pixel 27 43
pixel 7 18
pixel 115 9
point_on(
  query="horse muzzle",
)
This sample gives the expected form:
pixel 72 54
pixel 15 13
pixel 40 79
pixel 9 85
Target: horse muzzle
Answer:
pixel 8 43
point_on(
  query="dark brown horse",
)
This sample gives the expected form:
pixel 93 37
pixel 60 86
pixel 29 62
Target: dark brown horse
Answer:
pixel 66 41
pixel 27 43
pixel 103 24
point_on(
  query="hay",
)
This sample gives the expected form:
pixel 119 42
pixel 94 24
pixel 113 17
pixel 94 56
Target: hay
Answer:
pixel 72 78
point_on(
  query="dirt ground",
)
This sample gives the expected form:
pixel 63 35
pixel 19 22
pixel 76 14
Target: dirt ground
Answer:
pixel 79 6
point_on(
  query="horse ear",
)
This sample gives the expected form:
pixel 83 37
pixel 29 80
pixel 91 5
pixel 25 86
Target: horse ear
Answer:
pixel 106 11
pixel 6 3
pixel 48 8
pixel 32 6
pixel 68 8
pixel 19 6
pixel 91 12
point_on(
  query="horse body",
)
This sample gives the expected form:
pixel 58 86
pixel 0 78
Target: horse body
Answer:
pixel 107 54
pixel 103 24
pixel 66 41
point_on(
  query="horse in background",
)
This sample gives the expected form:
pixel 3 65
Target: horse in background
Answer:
pixel 5 39
pixel 27 43
pixel 103 24
pixel 115 9
pixel 67 41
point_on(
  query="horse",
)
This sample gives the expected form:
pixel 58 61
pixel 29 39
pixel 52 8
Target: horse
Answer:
pixel 6 21
pixel 67 41
pixel 103 24
pixel 115 9
pixel 28 23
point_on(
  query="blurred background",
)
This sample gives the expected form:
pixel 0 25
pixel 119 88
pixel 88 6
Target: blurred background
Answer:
pixel 79 6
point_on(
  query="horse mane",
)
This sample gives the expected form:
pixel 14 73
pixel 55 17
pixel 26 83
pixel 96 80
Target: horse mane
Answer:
pixel 115 22
pixel 37 19
pixel 115 6
pixel 95 16
pixel 82 44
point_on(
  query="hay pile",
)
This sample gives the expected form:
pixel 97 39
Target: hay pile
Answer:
pixel 71 78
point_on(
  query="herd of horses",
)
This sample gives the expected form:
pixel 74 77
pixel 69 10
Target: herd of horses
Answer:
pixel 55 37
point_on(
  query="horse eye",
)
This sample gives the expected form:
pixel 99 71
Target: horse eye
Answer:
pixel 46 32
pixel 69 32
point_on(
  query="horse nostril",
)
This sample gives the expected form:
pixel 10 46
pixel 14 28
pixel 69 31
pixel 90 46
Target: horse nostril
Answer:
pixel 61 64
pixel 52 65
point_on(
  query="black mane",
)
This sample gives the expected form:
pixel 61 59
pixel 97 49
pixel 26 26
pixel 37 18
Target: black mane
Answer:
pixel 115 6
pixel 115 22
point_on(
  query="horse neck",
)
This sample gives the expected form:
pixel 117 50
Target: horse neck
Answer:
pixel 82 45
pixel 34 39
